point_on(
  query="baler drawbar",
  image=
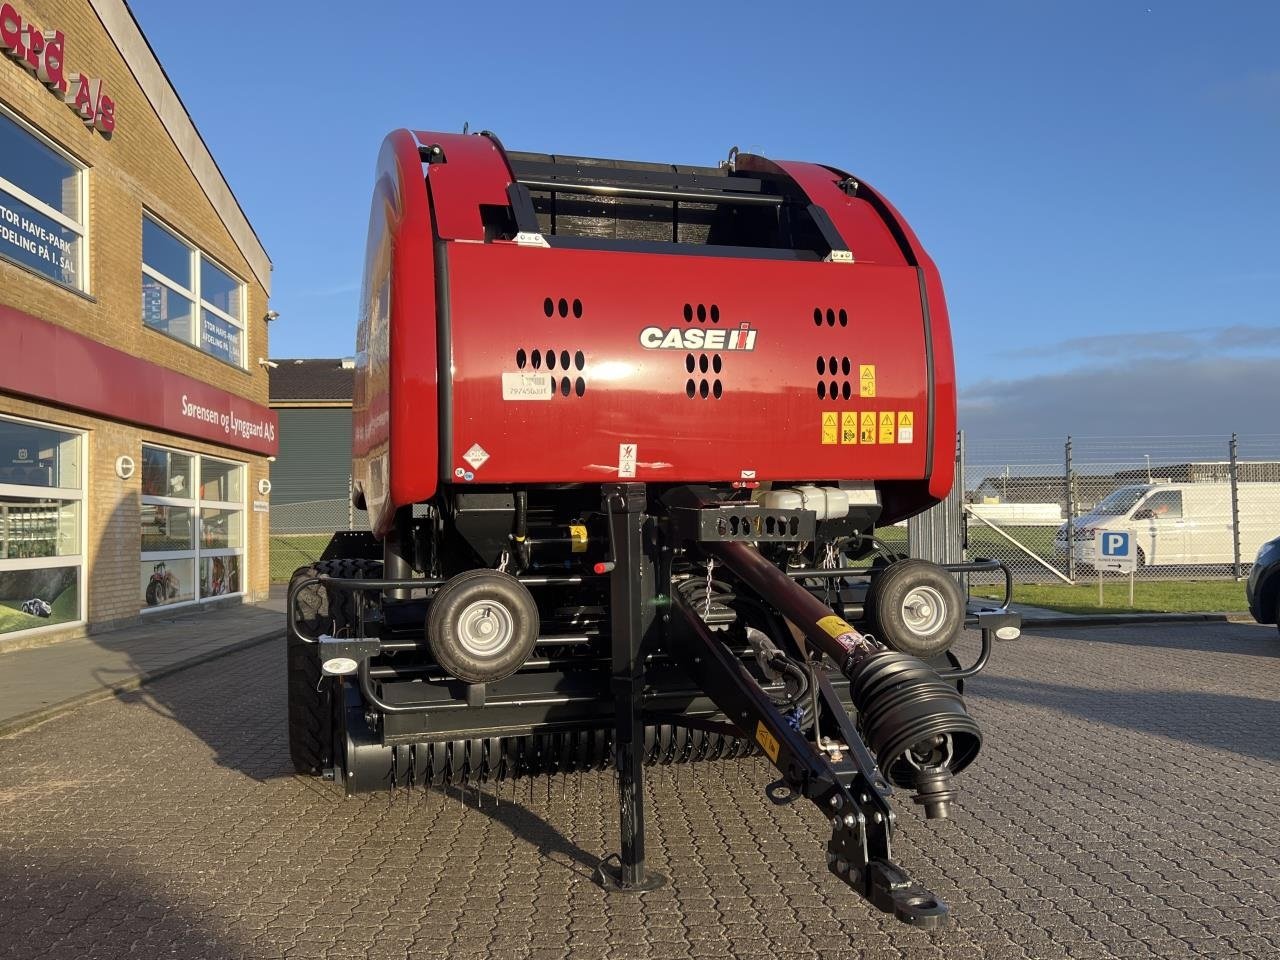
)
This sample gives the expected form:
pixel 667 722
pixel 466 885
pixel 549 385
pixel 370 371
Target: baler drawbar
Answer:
pixel 614 520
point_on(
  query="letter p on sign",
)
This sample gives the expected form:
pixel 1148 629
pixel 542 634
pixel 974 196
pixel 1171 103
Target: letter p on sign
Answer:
pixel 1115 544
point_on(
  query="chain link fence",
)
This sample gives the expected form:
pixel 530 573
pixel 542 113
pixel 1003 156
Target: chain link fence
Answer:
pixel 301 530
pixel 1195 507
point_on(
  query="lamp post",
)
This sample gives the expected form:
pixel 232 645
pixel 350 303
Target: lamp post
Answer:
pixel 1148 456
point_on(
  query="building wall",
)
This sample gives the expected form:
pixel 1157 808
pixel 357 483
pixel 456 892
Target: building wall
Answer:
pixel 137 168
pixel 314 462
pixel 111 549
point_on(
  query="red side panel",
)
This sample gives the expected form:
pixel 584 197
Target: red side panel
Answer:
pixel 871 241
pixel 395 436
pixel 679 367
pixel 944 365
pixel 475 173
pixel 616 384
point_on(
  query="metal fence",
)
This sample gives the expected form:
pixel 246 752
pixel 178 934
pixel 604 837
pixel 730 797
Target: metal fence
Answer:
pixel 300 531
pixel 1195 507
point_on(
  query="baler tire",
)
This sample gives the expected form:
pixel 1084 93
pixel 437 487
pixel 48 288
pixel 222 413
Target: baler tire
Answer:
pixel 455 598
pixel 310 697
pixel 886 601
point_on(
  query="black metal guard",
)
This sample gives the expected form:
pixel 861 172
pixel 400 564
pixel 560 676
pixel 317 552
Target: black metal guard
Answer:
pixel 966 566
pixel 354 585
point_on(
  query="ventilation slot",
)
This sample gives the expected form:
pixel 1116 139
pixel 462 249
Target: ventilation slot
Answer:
pixel 830 317
pixel 834 367
pixel 562 306
pixel 702 312
pixel 575 362
pixel 704 387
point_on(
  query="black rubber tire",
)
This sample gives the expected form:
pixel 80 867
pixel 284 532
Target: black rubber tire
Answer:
pixel 884 608
pixel 462 591
pixel 154 593
pixel 310 693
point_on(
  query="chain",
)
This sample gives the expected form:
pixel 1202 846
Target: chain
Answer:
pixel 706 610
pixel 503 561
pixel 830 556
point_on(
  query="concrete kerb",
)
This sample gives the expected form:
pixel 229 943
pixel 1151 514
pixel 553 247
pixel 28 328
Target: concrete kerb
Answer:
pixel 1051 618
pixel 24 721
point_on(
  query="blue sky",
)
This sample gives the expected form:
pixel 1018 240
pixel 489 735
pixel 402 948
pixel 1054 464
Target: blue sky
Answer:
pixel 1097 180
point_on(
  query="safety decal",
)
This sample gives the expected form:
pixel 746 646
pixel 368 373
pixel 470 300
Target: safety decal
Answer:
pixel 849 427
pixel 830 427
pixel 867 430
pixel 626 460
pixel 849 641
pixel 834 626
pixel 477 456
pixel 768 742
pixel 748 474
pixel 578 537
pixel 906 426
pixel 522 385
pixel 867 380
pixel 887 434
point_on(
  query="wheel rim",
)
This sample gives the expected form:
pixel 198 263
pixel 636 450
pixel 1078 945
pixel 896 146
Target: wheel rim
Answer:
pixel 485 628
pixel 924 610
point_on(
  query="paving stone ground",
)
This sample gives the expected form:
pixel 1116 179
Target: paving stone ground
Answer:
pixel 1125 806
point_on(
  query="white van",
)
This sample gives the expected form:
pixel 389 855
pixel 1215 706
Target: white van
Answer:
pixel 1181 523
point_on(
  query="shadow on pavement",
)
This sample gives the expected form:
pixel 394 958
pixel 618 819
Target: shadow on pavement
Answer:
pixel 52 906
pixel 526 825
pixel 1214 720
pixel 1241 639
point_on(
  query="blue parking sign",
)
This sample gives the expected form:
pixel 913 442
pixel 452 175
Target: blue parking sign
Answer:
pixel 1114 550
pixel 1115 544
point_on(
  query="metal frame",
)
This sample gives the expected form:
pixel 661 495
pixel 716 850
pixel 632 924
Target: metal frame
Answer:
pixel 839 775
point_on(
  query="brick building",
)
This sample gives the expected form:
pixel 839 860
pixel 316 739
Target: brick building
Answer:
pixel 135 435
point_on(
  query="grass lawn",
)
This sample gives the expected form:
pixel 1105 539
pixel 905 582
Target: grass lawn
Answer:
pixel 1173 596
pixel 985 542
pixel 289 552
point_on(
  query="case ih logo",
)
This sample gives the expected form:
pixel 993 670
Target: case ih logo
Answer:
pixel 698 338
pixel 41 52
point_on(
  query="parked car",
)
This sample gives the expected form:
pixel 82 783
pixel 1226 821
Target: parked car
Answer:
pixel 1179 523
pixel 1263 589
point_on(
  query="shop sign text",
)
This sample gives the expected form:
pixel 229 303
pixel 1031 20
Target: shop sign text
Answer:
pixel 42 52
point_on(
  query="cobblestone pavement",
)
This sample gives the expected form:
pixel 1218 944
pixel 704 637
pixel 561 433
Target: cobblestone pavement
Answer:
pixel 1125 806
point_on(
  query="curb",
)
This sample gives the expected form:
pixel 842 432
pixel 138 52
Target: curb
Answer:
pixel 24 721
pixel 1119 619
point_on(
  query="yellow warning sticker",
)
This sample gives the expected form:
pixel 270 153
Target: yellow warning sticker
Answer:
pixel 768 742
pixel 830 427
pixel 867 379
pixel 849 427
pixel 578 537
pixel 867 431
pixel 835 626
pixel 886 427
pixel 906 426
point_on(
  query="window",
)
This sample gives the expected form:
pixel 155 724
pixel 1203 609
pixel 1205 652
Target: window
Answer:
pixel 41 525
pixel 192 527
pixel 42 206
pixel 189 297
pixel 1165 505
